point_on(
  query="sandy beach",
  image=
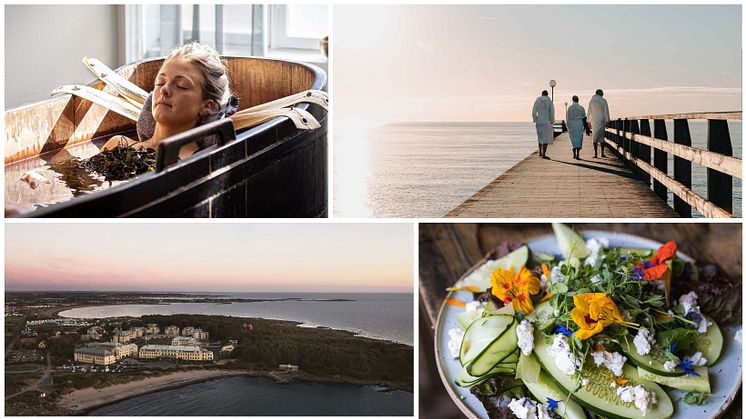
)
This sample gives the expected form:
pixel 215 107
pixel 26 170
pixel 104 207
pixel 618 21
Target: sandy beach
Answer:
pixel 88 398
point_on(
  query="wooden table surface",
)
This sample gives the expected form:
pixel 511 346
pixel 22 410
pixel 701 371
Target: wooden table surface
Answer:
pixel 448 250
pixel 564 187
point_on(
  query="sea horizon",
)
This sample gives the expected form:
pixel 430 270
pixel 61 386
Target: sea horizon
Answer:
pixel 426 169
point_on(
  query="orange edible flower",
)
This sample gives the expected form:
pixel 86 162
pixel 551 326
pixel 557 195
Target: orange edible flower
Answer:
pixel 593 311
pixel 472 288
pixel 515 288
pixel 620 381
pixel 455 302
pixel 545 270
pixel 657 268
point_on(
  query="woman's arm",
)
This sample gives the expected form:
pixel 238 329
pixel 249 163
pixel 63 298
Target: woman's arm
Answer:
pixel 118 140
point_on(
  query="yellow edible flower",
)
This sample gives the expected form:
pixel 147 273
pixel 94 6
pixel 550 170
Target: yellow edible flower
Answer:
pixel 515 288
pixel 593 312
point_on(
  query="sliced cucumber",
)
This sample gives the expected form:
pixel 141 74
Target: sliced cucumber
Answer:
pixel 543 315
pixel 528 369
pixel 571 243
pixel 495 353
pixel 544 257
pixel 635 252
pixel 481 333
pixel 466 380
pixel 466 317
pixel 543 388
pixel 647 362
pixel 481 278
pixel 597 396
pixel 710 343
pixel 693 383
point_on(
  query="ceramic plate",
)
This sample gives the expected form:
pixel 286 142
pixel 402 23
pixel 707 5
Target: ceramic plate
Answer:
pixel 725 375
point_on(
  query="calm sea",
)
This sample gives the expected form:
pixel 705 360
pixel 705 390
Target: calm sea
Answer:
pixel 427 169
pixel 247 396
pixel 386 316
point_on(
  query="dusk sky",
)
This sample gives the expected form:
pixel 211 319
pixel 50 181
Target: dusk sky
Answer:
pixel 488 63
pixel 214 257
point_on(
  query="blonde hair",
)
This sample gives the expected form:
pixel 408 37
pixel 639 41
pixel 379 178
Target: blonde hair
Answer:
pixel 215 84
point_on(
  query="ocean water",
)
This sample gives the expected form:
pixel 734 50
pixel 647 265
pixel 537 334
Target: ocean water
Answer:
pixel 427 169
pixel 248 396
pixel 387 316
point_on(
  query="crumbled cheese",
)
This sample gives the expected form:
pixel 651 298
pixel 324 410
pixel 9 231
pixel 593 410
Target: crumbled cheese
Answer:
pixel 691 311
pixel 556 275
pixel 585 381
pixel 523 408
pixel 596 279
pixel 642 397
pixel 643 341
pixel 613 384
pixel 697 359
pixel 562 354
pixel 689 301
pixel 525 332
pixel 614 361
pixel 669 366
pixel 544 282
pixel 595 246
pixel 456 335
pixel 543 412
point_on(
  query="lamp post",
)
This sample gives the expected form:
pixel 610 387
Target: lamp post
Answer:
pixel 552 83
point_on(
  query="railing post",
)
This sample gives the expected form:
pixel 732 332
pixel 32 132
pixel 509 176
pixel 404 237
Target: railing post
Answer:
pixel 719 185
pixel 660 157
pixel 644 150
pixel 625 140
pixel 682 169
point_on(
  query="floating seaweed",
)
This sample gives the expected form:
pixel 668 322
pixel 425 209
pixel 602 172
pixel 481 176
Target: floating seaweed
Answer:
pixel 121 162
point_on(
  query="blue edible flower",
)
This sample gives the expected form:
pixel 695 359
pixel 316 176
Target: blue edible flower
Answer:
pixel 637 274
pixel 623 258
pixel 559 256
pixel 647 264
pixel 673 347
pixel 552 404
pixel 560 328
pixel 687 367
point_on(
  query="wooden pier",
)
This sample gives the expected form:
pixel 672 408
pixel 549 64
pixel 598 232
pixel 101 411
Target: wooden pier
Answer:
pixel 632 181
pixel 564 187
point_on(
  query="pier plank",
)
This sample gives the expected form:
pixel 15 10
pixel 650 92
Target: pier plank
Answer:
pixel 563 187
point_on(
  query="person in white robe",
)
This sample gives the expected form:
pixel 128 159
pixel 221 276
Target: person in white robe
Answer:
pixel 576 124
pixel 543 116
pixel 598 114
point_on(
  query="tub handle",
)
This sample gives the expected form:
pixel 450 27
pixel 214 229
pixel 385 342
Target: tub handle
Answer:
pixel 168 150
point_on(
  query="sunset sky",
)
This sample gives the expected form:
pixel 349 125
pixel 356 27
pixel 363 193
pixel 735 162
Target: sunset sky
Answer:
pixel 214 257
pixel 488 63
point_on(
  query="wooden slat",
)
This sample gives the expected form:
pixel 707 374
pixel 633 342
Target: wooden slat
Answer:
pixel 724 164
pixel 705 207
pixel 564 187
pixel 730 115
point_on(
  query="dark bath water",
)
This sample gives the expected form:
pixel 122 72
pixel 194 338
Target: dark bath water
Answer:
pixel 242 396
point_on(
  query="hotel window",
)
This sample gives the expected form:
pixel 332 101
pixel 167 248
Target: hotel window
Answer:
pixel 282 31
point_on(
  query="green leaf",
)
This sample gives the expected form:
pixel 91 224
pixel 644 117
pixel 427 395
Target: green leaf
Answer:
pixel 559 288
pixel 695 398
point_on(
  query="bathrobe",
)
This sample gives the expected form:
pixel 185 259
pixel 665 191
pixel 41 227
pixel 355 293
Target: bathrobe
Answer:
pixel 543 116
pixel 575 115
pixel 598 114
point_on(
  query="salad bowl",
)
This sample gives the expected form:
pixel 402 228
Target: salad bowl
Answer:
pixel 724 375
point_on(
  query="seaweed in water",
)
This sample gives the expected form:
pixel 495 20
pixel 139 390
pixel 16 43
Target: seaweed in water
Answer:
pixel 121 163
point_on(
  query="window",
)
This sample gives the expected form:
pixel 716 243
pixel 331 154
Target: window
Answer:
pixel 298 26
pixel 283 31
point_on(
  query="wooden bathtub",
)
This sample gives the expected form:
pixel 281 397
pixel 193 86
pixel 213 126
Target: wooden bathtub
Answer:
pixel 272 170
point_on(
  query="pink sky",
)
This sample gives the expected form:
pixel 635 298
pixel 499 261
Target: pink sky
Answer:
pixel 210 257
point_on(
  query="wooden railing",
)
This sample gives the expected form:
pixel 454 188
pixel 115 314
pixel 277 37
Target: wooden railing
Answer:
pixel 632 139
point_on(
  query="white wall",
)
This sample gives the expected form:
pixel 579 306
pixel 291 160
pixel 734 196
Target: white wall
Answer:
pixel 44 46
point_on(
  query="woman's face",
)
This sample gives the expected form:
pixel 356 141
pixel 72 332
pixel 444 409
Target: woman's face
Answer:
pixel 177 98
